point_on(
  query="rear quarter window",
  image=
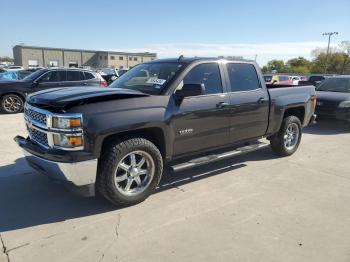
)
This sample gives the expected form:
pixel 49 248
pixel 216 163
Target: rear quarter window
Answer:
pixel 316 78
pixel 75 76
pixel 89 75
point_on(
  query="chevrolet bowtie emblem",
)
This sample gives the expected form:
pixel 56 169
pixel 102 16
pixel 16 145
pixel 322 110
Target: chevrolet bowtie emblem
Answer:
pixel 29 124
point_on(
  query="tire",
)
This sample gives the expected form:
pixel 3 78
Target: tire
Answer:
pixel 12 104
pixel 283 143
pixel 117 169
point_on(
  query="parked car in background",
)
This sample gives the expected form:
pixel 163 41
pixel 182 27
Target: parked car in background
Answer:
pixel 14 92
pixel 275 79
pixel 33 69
pixel 333 98
pixel 108 74
pixel 14 75
pixel 314 80
pixel 295 80
pixel 15 68
pixel 122 72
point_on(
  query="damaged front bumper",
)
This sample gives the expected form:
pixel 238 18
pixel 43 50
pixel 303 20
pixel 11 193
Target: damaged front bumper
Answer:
pixel 78 175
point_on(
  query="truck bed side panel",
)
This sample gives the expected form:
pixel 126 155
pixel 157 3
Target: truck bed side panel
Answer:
pixel 285 98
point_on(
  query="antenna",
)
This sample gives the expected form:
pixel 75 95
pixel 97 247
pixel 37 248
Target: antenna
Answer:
pixel 180 58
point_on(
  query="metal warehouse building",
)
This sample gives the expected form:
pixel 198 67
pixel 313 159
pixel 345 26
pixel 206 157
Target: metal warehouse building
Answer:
pixel 34 56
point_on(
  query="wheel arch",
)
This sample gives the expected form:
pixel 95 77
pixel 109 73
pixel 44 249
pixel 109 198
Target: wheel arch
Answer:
pixel 298 112
pixel 153 134
pixel 13 93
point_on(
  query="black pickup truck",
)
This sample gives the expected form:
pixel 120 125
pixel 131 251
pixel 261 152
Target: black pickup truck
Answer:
pixel 181 112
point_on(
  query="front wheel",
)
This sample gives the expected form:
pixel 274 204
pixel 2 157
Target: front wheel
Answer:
pixel 11 104
pixel 287 140
pixel 129 171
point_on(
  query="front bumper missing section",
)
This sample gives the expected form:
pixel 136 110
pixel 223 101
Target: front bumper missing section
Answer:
pixel 80 175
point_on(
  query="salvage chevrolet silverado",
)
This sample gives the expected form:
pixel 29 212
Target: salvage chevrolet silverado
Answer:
pixel 116 140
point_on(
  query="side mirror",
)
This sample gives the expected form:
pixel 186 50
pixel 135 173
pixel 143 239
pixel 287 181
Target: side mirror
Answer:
pixel 194 89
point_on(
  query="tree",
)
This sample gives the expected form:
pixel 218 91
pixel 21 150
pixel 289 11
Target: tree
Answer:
pixel 264 69
pixel 337 63
pixel 6 59
pixel 275 65
pixel 298 65
pixel 345 45
pixel 295 65
pixel 300 61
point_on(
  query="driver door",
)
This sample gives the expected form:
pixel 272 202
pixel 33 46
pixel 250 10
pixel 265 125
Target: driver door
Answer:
pixel 51 79
pixel 202 122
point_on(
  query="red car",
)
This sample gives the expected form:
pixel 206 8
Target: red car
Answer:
pixel 278 79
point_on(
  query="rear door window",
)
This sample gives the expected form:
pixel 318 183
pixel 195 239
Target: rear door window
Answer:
pixel 243 77
pixel 75 76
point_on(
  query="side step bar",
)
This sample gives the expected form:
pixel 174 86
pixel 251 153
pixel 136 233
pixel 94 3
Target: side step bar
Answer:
pixel 216 157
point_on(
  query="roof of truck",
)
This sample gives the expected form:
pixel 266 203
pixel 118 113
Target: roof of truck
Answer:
pixel 192 59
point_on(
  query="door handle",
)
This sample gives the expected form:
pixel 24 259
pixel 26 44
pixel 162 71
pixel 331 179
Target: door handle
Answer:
pixel 222 104
pixel 262 100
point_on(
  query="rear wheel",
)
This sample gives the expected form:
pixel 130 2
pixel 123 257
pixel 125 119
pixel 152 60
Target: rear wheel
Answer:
pixel 287 140
pixel 11 104
pixel 129 171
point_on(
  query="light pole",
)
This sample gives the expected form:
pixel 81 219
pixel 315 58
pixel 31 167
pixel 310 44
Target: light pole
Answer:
pixel 329 41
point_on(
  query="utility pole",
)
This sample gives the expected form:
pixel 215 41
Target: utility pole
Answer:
pixel 329 34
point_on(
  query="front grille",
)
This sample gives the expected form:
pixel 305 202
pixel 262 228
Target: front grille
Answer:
pixel 39 128
pixel 35 115
pixel 38 136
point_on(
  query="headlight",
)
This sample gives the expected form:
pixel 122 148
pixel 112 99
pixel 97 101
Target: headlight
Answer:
pixel 344 104
pixel 68 141
pixel 66 122
pixel 68 132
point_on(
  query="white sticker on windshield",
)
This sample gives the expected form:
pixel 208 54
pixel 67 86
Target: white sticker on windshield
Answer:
pixel 156 81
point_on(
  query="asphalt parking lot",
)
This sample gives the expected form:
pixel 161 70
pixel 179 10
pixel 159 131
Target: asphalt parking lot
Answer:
pixel 255 207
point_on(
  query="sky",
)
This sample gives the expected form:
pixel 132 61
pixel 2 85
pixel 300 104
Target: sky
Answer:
pixel 267 29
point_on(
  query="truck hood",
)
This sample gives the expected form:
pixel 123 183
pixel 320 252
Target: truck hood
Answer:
pixel 71 96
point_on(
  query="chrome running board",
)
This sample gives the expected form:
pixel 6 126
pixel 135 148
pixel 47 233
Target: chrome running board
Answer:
pixel 216 157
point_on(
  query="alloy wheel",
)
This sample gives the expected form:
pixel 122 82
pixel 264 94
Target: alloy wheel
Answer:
pixel 12 104
pixel 291 136
pixel 134 173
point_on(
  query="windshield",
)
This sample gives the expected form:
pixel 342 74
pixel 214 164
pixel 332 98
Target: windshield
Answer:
pixel 148 78
pixel 11 75
pixel 107 71
pixel 35 75
pixel 335 85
